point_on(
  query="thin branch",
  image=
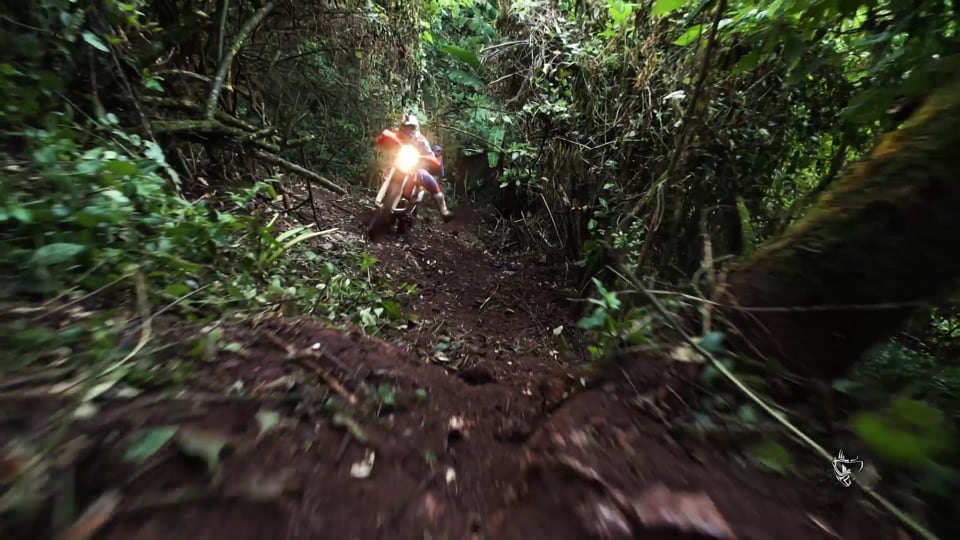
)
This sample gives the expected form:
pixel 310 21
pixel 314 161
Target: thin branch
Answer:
pixel 191 106
pixel 905 519
pixel 187 128
pixel 225 4
pixel 228 58
pixel 799 309
pixel 296 169
pixel 684 125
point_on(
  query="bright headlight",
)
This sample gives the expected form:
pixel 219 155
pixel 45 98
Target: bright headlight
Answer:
pixel 407 158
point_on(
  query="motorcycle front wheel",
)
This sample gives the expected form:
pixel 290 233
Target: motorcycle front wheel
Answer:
pixel 405 222
pixel 383 217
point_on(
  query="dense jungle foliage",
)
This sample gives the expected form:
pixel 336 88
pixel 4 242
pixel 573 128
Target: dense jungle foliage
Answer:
pixel 151 147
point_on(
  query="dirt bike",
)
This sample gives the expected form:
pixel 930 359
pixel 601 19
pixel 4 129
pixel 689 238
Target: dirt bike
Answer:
pixel 400 192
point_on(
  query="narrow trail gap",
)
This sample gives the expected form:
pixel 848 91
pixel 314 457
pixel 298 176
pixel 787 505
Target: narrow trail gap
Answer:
pixel 466 415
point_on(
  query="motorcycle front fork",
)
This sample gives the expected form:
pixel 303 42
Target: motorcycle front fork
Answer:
pixel 386 183
pixel 387 175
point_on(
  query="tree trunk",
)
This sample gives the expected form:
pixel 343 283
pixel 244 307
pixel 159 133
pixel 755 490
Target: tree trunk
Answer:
pixel 883 237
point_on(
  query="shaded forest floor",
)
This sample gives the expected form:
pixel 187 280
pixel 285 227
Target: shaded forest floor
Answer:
pixel 473 422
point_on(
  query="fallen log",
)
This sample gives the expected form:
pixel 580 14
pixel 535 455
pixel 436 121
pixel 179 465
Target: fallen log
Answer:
pixel 296 169
pixel 872 251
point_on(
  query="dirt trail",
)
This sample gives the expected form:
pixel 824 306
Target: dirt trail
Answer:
pixel 468 416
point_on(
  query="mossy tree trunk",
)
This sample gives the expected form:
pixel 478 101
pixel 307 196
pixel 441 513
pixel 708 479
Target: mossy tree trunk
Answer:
pixel 889 233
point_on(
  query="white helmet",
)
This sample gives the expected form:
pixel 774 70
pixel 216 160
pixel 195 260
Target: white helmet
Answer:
pixel 410 119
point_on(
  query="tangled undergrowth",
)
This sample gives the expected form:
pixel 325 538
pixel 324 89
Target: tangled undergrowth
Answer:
pixel 153 162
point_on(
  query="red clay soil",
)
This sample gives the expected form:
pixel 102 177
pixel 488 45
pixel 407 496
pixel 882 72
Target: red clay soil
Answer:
pixel 476 438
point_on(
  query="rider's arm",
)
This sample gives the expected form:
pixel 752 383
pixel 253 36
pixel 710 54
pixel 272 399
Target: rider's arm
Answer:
pixel 425 148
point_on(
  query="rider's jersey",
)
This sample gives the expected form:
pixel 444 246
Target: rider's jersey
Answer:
pixel 418 140
pixel 423 145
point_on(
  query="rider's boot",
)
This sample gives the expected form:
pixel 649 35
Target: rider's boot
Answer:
pixel 447 215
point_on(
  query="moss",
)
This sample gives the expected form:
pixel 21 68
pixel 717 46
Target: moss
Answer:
pixel 886 233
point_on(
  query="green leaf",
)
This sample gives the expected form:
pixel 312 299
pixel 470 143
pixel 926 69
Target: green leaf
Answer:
pixel 21 214
pixel 467 79
pixel 596 320
pixel 662 8
pixel 267 420
pixel 845 386
pixel 45 156
pixel 898 447
pixel 914 413
pixel 387 394
pixel 773 456
pixel 869 105
pixel 493 158
pixel 94 41
pixel 202 444
pixel 468 57
pixel 56 253
pixel 153 84
pixel 154 152
pixel 177 290
pixel 148 443
pixel 746 225
pixel 392 309
pixel 689 36
pixel 712 342
pixel 748 62
pixel 748 414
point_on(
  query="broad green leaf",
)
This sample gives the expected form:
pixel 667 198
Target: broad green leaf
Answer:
pixel 493 158
pixel 45 156
pixel 914 413
pixel 392 309
pixel 596 320
pixel 115 196
pixel 619 11
pixel 147 443
pixel 773 456
pixel 748 62
pixel 848 8
pixel 56 253
pixel 153 84
pixel 21 214
pixel 177 290
pixel 467 79
pixel 495 139
pixel 689 36
pixel 898 447
pixel 662 8
pixel 154 152
pixel 94 41
pixel 468 57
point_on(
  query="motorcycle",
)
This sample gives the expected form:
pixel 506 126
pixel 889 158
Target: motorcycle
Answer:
pixel 400 193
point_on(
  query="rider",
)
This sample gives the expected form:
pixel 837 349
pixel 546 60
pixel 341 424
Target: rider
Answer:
pixel 410 133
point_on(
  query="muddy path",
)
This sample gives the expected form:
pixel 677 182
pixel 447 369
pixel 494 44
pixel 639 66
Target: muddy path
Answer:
pixel 471 422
